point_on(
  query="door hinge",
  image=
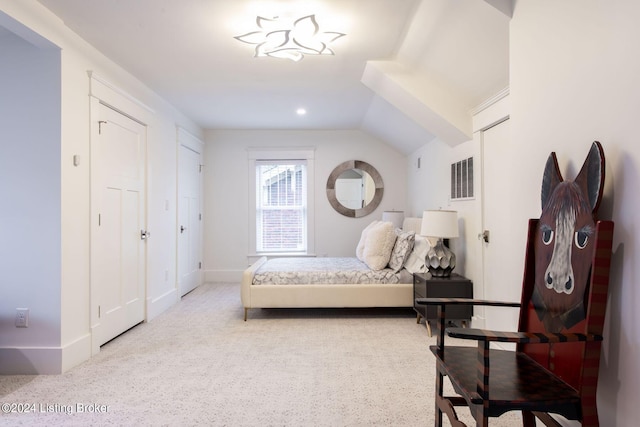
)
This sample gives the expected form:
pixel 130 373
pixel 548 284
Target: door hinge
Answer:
pixel 200 217
pixel 99 220
pixel 200 168
pixel 98 312
pixel 100 122
pixel 200 266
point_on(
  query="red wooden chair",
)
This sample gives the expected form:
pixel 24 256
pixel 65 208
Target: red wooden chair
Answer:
pixel 554 369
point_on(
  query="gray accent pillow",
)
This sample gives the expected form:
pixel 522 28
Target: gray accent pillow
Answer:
pixel 415 261
pixel 402 249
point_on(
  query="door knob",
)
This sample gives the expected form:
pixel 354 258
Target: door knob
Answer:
pixel 144 234
pixel 484 236
pixel 182 228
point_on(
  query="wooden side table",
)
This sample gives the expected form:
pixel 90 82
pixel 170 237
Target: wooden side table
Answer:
pixel 456 286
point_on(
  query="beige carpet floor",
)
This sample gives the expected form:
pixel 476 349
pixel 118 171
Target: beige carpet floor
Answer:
pixel 199 363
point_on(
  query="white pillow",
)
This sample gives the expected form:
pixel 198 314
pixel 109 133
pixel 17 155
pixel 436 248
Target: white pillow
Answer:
pixel 415 261
pixel 379 243
pixel 363 240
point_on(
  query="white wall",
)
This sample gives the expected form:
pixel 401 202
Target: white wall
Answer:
pixel 65 294
pixel 574 79
pixel 429 188
pixel 226 219
pixel 30 238
pixel 428 178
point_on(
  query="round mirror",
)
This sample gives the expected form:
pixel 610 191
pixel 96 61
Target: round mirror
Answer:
pixel 354 188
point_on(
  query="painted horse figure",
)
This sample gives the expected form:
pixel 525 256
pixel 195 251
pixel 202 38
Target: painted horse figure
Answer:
pixel 564 241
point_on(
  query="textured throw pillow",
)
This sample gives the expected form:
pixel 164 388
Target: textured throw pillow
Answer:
pixel 363 240
pixel 402 249
pixel 379 243
pixel 415 260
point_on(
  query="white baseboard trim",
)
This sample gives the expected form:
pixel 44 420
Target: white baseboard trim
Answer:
pixel 158 305
pixel 45 360
pixel 478 322
pixel 31 361
pixel 76 352
pixel 223 276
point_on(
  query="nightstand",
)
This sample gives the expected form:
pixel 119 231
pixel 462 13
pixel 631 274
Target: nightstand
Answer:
pixel 456 286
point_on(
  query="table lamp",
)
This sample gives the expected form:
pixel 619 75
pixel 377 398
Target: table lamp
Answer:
pixel 395 217
pixel 441 225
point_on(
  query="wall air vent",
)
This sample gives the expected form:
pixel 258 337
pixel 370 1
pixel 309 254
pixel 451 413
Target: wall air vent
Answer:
pixel 462 180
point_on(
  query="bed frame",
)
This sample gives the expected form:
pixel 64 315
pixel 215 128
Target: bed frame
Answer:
pixel 320 295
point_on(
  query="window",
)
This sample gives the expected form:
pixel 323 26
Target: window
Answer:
pixel 281 210
pixel 281 206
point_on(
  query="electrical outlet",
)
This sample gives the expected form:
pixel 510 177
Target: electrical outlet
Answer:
pixel 22 317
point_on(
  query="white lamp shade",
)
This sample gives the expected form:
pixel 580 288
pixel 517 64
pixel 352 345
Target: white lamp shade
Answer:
pixel 395 217
pixel 441 224
pixel 412 224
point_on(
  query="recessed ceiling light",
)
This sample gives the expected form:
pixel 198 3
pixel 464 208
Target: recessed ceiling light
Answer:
pixel 301 111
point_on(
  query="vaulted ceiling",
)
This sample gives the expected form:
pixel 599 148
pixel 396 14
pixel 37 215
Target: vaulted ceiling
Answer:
pixel 406 71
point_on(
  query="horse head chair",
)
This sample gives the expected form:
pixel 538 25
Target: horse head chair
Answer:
pixel 563 241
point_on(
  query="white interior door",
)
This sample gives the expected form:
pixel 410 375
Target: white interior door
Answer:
pixel 502 279
pixel 189 218
pixel 118 258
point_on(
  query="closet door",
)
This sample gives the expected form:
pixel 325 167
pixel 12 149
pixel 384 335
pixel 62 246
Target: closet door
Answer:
pixel 118 256
pixel 189 212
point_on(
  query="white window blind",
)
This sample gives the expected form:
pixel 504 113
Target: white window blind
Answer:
pixel 281 205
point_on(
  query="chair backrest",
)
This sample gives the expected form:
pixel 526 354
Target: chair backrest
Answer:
pixel 566 274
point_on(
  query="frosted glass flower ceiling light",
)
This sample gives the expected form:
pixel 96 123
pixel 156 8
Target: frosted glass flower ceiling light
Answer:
pixel 281 39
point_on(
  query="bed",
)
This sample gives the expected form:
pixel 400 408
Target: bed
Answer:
pixel 380 275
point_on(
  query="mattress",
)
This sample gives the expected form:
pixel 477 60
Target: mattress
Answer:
pixel 325 270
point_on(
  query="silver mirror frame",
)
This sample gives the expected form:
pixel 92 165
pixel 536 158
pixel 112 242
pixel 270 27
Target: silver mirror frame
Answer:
pixel 331 188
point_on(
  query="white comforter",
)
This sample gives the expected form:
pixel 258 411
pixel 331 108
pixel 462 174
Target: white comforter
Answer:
pixel 339 271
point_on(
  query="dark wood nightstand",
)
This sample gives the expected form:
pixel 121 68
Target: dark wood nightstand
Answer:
pixel 456 286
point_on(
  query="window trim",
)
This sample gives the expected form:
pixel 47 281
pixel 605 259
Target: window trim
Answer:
pixel 286 153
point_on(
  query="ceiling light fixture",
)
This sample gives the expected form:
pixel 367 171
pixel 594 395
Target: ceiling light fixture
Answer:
pixel 301 111
pixel 280 39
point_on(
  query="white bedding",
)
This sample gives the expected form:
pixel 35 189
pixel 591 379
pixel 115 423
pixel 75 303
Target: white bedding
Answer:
pixel 329 271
